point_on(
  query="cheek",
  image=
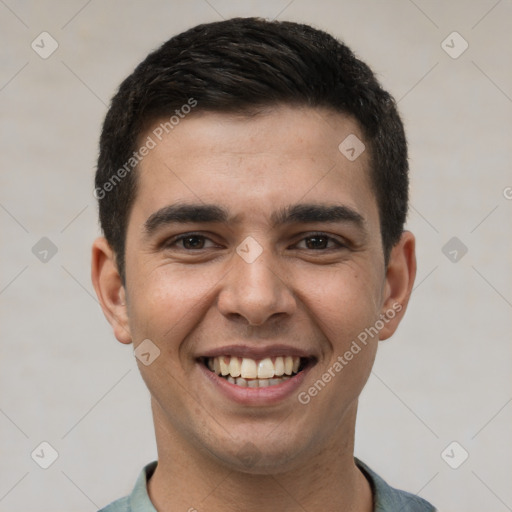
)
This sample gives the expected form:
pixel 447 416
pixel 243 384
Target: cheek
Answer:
pixel 167 303
pixel 345 305
pixel 166 306
pixel 343 301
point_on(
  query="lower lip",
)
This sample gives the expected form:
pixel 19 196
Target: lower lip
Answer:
pixel 256 396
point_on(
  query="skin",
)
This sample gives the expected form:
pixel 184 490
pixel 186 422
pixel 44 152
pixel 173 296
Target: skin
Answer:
pixel 213 453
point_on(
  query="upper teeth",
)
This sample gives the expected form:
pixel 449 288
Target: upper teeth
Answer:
pixel 254 369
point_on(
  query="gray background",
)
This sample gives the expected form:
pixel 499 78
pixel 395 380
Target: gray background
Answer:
pixel 444 377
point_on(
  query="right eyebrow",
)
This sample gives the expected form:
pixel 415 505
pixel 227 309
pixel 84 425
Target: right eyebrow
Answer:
pixel 185 213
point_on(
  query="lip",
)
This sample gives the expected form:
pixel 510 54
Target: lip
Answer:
pixel 269 395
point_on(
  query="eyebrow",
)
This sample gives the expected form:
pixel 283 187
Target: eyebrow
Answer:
pixel 298 213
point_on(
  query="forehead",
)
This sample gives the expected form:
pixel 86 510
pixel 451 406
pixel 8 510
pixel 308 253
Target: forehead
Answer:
pixel 296 132
pixel 255 162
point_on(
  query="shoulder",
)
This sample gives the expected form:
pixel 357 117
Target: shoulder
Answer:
pixel 120 505
pixel 138 500
pixel 389 499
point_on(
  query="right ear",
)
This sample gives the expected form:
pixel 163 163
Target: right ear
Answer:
pixel 109 289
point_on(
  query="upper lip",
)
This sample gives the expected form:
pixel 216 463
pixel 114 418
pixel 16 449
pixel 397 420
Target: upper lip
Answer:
pixel 259 352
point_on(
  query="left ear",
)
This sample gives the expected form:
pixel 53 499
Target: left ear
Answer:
pixel 400 275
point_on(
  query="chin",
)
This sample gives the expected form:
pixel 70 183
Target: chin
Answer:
pixel 262 454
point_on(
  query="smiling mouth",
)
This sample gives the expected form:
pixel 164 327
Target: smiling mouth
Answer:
pixel 253 373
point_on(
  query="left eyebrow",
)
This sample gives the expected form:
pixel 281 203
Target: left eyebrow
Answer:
pixel 311 213
pixel 304 213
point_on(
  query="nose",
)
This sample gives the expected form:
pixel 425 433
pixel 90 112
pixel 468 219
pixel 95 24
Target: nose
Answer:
pixel 256 291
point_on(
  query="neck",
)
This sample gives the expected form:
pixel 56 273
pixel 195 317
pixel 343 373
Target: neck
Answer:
pixel 188 480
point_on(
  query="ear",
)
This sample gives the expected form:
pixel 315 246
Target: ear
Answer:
pixel 400 275
pixel 109 289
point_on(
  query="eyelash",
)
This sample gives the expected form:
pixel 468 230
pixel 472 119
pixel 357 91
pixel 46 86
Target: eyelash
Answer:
pixel 168 244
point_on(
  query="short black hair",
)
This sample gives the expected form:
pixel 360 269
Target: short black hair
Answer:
pixel 242 65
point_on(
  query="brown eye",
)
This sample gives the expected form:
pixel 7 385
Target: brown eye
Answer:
pixel 188 242
pixel 317 242
pixel 321 241
pixel 193 242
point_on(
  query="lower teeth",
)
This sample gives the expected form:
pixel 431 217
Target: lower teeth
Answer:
pixel 257 383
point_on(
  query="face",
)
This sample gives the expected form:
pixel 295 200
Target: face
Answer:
pixel 253 250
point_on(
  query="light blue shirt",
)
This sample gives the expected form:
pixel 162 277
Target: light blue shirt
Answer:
pixel 385 498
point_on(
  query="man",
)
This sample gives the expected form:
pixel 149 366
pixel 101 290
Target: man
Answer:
pixel 252 185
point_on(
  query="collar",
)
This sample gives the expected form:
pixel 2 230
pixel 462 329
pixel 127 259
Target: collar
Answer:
pixel 385 497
